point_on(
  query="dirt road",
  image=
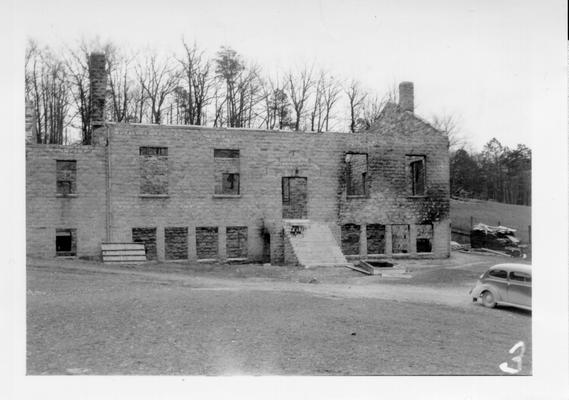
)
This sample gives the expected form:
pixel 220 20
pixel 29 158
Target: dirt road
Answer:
pixel 92 319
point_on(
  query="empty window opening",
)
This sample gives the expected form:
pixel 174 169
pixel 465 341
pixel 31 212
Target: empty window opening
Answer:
pixel 236 239
pixel 148 237
pixel 230 183
pixel 350 235
pixel 375 239
pixel 400 239
pixel 356 174
pixel 226 173
pixel 153 170
pixel 66 176
pixel 176 243
pixel 424 238
pixel 207 243
pixel 65 242
pixel 416 175
pixel 295 197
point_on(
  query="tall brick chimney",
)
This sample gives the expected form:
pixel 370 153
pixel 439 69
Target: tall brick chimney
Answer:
pixel 98 82
pixel 406 96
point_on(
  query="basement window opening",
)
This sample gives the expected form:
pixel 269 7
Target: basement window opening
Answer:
pixel 236 241
pixel 176 243
pixel 424 238
pixel 148 237
pixel 350 236
pixel 65 242
pixel 207 244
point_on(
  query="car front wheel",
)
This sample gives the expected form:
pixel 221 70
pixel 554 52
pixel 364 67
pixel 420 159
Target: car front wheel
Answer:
pixel 488 299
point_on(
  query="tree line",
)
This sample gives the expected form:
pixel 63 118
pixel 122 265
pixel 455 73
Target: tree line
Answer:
pixel 189 88
pixel 225 90
pixel 496 173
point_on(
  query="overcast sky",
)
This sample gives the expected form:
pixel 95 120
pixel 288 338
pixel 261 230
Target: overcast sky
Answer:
pixel 482 61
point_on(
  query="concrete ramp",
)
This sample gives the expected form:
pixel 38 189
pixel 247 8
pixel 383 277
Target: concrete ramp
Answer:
pixel 311 244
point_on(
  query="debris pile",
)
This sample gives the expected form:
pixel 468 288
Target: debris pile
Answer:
pixel 500 239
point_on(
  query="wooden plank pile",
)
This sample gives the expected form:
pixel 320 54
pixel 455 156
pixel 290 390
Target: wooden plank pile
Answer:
pixel 123 253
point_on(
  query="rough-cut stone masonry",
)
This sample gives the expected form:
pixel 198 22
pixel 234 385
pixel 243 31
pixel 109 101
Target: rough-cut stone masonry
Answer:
pixel 351 239
pixel 185 185
pixel 207 242
pixel 236 242
pixel 148 237
pixel 176 243
pixel 375 239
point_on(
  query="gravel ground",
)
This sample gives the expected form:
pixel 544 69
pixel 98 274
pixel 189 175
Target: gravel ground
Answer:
pixel 179 319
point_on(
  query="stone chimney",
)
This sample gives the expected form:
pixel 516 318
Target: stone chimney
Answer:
pixel 31 133
pixel 406 96
pixel 98 81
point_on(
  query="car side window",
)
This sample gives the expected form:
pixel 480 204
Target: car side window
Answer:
pixel 520 276
pixel 498 273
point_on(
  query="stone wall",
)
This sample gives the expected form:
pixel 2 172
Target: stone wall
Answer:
pixel 265 157
pixel 83 210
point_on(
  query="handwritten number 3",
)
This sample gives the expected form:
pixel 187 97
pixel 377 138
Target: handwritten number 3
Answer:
pixel 517 359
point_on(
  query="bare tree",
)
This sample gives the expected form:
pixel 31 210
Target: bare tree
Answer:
pixel 450 125
pixel 356 97
pixel 331 92
pixel 299 85
pixel 195 96
pixel 122 93
pixel 158 80
pixel 47 86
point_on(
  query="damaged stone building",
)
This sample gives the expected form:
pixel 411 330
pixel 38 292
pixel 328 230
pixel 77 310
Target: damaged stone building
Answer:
pixel 199 193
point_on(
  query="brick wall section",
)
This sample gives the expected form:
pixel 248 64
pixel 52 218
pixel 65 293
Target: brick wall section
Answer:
pixel 46 211
pixel 98 81
pixel 265 158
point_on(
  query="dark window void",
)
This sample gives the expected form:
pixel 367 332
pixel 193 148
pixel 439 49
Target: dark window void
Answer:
pixel 206 242
pixel 520 276
pixel 400 239
pixel 356 174
pixel 66 172
pixel 153 170
pixel 295 197
pixel 417 175
pixel 236 239
pixel 230 183
pixel 350 239
pixel 225 153
pixel 226 171
pixel 375 239
pixel 176 243
pixel 148 237
pixel 154 151
pixel 498 273
pixel 424 238
pixel 65 242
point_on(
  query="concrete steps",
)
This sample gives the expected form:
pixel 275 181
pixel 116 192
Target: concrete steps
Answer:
pixel 313 244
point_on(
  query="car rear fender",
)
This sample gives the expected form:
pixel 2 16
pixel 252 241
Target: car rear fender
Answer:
pixel 477 292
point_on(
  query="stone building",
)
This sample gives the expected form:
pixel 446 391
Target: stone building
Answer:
pixel 199 193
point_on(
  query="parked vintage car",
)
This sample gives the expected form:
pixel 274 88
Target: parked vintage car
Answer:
pixel 504 284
